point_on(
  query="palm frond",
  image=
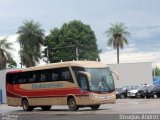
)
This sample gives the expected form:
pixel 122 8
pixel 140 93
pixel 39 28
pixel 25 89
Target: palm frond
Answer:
pixel 110 42
pixel 8 54
pixel 5 45
pixel 125 41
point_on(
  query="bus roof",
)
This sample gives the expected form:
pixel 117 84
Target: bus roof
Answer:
pixel 85 64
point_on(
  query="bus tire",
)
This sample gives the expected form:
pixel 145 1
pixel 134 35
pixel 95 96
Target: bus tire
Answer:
pixel 95 107
pixel 26 106
pixel 72 104
pixel 46 108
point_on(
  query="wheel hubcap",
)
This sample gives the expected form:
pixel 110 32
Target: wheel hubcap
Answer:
pixel 72 104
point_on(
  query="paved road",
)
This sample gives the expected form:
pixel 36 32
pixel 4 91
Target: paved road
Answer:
pixel 109 111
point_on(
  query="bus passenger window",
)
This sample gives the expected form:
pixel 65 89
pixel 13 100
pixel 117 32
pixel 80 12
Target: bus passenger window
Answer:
pixel 9 78
pixel 66 75
pixel 15 79
pixel 54 77
pixel 21 81
pixel 43 77
pixel 21 78
pixel 32 78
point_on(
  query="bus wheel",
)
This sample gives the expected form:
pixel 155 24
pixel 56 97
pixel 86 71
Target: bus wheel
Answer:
pixel 95 107
pixel 46 108
pixel 72 105
pixel 26 106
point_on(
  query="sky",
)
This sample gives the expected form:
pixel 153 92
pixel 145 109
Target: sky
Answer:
pixel 141 17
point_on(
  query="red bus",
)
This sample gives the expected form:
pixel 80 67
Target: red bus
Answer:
pixel 76 84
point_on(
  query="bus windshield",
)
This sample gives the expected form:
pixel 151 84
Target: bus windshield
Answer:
pixel 101 80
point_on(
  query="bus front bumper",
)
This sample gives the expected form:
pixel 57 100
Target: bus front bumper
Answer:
pixel 102 98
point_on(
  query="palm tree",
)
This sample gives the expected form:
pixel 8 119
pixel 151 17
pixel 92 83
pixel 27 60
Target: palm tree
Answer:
pixel 31 38
pixel 118 35
pixel 5 55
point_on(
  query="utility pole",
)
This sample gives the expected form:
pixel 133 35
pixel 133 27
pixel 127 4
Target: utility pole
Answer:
pixel 47 56
pixel 21 54
pixel 21 63
pixel 77 55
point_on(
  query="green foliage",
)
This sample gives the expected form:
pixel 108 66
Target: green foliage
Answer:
pixel 5 54
pixel 31 37
pixel 62 43
pixel 156 71
pixel 11 63
pixel 117 37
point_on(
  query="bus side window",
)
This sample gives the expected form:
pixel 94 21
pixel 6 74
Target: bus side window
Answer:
pixel 22 78
pixel 32 77
pixel 54 75
pixel 14 79
pixel 66 75
pixel 9 78
pixel 43 76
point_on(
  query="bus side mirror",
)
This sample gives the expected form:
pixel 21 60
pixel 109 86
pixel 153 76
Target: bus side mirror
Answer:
pixel 115 73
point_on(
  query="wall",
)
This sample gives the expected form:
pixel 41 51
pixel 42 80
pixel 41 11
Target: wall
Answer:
pixel 133 73
pixel 3 84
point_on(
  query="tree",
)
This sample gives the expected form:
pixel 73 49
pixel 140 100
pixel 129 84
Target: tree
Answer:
pixel 11 63
pixel 31 38
pixel 74 40
pixel 118 35
pixel 156 71
pixel 5 54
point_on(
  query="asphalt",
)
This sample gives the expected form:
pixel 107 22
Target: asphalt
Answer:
pixel 115 111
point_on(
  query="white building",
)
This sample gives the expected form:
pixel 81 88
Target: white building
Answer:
pixel 133 73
